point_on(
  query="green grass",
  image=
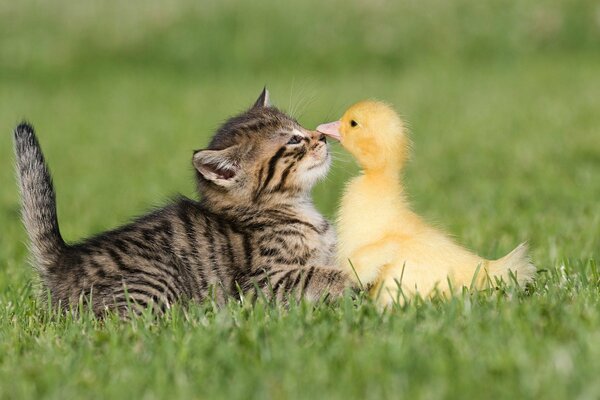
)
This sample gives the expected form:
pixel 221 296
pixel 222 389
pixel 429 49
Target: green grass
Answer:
pixel 502 102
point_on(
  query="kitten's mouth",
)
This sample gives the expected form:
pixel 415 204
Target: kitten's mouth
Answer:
pixel 319 164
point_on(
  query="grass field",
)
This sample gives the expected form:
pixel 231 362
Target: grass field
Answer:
pixel 503 102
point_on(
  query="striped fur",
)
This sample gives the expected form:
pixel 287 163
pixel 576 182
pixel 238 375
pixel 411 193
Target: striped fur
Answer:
pixel 253 232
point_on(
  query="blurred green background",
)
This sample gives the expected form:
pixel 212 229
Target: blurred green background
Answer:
pixel 502 99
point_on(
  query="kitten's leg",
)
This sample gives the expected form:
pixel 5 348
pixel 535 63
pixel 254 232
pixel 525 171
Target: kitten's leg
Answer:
pixel 310 283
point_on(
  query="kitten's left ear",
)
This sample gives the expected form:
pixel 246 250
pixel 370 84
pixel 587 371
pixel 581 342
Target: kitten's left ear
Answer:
pixel 217 166
pixel 263 100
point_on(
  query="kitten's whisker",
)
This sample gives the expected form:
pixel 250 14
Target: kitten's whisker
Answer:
pixel 291 95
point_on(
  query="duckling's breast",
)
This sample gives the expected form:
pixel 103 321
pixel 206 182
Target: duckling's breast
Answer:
pixel 367 213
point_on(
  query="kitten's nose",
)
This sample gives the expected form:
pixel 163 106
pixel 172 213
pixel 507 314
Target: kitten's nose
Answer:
pixel 315 135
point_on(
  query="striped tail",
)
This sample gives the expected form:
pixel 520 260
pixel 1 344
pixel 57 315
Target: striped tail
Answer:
pixel 38 200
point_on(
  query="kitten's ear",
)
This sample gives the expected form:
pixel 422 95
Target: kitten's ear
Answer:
pixel 263 100
pixel 217 166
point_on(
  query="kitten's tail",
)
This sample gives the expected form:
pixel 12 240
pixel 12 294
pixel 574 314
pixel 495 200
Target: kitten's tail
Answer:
pixel 38 199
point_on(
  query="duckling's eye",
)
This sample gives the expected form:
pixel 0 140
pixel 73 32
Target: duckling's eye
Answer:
pixel 295 139
pixel 353 123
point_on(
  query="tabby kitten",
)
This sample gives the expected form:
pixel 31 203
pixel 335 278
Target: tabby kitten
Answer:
pixel 254 230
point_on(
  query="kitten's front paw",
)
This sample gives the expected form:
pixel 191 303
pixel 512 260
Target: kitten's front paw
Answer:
pixel 340 286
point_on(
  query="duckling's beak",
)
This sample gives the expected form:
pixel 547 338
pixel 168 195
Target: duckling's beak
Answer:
pixel 331 129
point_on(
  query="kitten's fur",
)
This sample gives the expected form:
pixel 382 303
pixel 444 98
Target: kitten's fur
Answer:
pixel 255 227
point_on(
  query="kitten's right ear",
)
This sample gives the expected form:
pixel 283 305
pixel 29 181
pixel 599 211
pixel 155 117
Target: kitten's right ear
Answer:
pixel 217 166
pixel 263 100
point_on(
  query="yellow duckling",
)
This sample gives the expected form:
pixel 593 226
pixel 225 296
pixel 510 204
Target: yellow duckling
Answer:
pixel 385 242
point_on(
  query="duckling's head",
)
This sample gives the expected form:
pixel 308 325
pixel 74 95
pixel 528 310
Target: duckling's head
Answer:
pixel 373 132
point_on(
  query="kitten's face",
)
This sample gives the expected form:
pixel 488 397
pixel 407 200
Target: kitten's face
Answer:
pixel 260 153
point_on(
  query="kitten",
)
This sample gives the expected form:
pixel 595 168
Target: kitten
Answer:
pixel 254 229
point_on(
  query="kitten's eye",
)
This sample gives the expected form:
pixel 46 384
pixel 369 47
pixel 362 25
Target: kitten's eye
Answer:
pixel 353 123
pixel 295 139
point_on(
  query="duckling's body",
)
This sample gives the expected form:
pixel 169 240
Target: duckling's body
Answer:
pixel 388 244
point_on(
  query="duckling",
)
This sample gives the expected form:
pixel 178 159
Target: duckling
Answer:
pixel 387 245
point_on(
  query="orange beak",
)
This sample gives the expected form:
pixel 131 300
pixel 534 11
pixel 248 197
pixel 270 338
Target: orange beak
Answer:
pixel 331 129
